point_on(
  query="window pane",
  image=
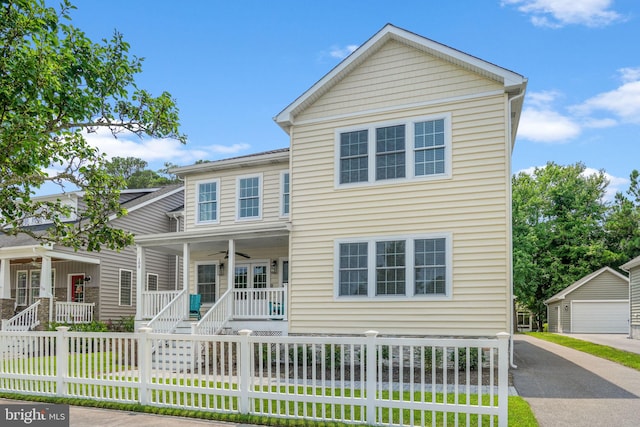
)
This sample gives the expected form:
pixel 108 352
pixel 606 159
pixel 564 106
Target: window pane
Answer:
pixel 390 152
pixel 207 282
pixel 390 268
pixel 249 197
pixel 353 275
pixel 430 266
pixel 285 194
pixel 354 164
pixel 207 201
pixel 429 148
pixel 125 287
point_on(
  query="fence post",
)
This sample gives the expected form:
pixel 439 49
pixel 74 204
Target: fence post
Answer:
pixel 62 359
pixel 144 362
pixel 503 381
pixel 370 386
pixel 244 370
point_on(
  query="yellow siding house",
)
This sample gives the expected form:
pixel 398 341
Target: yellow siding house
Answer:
pixel 397 193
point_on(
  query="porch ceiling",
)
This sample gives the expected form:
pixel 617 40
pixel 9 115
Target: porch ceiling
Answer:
pixel 246 238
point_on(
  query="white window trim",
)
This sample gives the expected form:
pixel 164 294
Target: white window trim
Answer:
pixel 147 281
pixel 260 194
pixel 120 288
pixel 281 262
pixel 409 151
pixel 284 214
pixel 409 268
pixel 197 201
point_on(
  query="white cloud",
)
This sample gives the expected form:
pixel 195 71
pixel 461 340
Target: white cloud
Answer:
pixel 623 103
pixel 342 52
pixel 156 150
pixel 616 184
pixel 558 13
pixel 541 123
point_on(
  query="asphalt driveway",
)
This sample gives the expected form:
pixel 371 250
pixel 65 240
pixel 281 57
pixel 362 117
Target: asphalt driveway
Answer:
pixel 567 387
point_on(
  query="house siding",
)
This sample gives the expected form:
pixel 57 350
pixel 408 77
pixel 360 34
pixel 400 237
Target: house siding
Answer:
pixel 604 287
pixel 472 205
pixel 270 202
pixel 400 75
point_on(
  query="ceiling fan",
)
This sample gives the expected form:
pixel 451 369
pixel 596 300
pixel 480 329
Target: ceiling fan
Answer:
pixel 34 263
pixel 226 254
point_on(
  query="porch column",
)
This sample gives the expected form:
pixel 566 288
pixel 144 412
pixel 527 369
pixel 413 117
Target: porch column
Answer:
pixel 5 279
pixel 231 264
pixel 45 278
pixel 185 273
pixel 140 275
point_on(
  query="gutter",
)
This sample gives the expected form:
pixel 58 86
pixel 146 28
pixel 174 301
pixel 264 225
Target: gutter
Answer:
pixel 511 297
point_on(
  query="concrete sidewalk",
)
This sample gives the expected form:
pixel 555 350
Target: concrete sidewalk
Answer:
pixel 80 416
pixel 566 387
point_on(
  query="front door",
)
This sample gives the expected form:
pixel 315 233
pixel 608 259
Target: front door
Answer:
pixel 77 287
pixel 254 275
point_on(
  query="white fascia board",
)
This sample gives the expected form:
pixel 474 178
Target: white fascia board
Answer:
pixel 243 161
pixel 150 201
pixel 631 264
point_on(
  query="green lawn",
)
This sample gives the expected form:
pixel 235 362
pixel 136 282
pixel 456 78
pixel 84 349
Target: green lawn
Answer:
pixel 626 358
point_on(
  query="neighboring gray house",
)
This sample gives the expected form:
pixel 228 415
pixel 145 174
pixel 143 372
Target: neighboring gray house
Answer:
pixel 90 285
pixel 633 267
pixel 597 303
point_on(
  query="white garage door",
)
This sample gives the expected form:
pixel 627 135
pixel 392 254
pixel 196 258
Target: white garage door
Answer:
pixel 600 317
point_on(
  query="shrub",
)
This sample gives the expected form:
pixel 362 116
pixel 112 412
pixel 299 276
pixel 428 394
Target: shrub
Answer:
pixel 429 361
pixel 462 358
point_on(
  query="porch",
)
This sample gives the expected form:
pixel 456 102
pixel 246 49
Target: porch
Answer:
pixel 264 309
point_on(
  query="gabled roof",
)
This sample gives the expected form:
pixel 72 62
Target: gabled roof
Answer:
pixel 279 155
pixel 586 279
pixel 631 264
pixel 512 82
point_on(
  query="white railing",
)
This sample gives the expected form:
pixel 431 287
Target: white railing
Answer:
pixel 364 380
pixel 154 301
pixel 171 315
pixel 74 312
pixel 217 316
pixel 264 303
pixel 26 320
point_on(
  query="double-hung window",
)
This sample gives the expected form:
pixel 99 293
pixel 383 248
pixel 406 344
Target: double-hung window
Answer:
pixel 249 197
pixel 206 282
pixel 417 266
pixel 208 201
pixel 415 148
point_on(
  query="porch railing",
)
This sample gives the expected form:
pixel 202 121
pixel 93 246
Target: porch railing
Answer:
pixel 26 320
pixel 265 303
pixel 74 312
pixel 171 315
pixel 154 301
pixel 217 316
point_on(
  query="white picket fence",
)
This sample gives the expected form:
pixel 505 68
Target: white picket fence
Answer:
pixel 367 380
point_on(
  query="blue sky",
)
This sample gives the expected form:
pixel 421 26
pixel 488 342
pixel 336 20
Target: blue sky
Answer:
pixel 233 65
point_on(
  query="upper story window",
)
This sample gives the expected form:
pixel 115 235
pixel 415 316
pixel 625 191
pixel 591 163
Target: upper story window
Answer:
pixel 414 266
pixel 208 201
pixel 249 197
pixel 284 194
pixel 416 148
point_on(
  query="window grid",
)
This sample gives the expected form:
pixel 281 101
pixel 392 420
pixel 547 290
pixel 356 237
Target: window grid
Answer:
pixel 207 201
pixel 249 197
pixel 390 268
pixel 126 279
pixel 354 156
pixel 353 270
pixel 152 282
pixel 430 266
pixel 429 146
pixel 390 152
pixel 21 287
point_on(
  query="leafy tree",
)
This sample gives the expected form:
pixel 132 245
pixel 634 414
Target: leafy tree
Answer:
pixel 623 222
pixel 55 86
pixel 133 171
pixel 558 231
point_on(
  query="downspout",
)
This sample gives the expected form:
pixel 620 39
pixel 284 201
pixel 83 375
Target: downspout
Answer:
pixel 511 297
